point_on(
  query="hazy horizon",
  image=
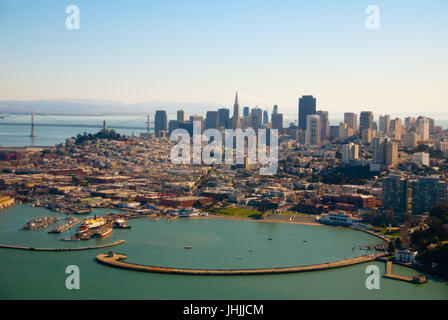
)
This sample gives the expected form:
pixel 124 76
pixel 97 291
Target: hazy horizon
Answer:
pixel 270 52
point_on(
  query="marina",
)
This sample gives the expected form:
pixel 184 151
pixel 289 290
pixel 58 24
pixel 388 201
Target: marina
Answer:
pixel 213 247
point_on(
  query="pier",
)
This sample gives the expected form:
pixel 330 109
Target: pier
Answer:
pixel 66 226
pixel 61 249
pixel 117 260
pixel 390 275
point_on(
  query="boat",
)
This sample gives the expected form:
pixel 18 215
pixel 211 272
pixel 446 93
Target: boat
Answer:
pixel 188 247
pixel 104 231
pixel 83 229
pixel 94 222
pixel 121 223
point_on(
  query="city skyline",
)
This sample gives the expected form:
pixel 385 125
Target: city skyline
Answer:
pixel 203 51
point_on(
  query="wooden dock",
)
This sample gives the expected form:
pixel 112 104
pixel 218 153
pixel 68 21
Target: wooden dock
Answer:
pixel 117 260
pixel 390 275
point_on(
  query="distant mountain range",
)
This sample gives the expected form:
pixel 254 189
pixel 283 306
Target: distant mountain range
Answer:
pixel 93 107
pixel 105 107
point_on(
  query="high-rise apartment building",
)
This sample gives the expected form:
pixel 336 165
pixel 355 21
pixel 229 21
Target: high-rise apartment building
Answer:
pixel 350 152
pixel 313 129
pixel 324 124
pixel 423 128
pixel 426 192
pixel 395 194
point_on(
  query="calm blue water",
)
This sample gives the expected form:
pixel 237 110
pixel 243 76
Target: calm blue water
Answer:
pixel 216 244
pixel 19 136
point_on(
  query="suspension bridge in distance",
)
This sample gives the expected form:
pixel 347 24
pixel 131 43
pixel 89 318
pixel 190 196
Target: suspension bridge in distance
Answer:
pixel 58 123
pixel 76 125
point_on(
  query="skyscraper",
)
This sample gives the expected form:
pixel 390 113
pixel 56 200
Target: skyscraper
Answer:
pixel 181 115
pixel 275 109
pixel 351 119
pixel 277 122
pixel 384 124
pixel 265 117
pixel 245 111
pixel 236 121
pixel 223 117
pixel 365 120
pixel 212 120
pixel 256 116
pixel 160 123
pixel 324 124
pixel 307 106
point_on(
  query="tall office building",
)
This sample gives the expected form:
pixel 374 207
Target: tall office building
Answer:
pixel 181 115
pixel 384 124
pixel 245 111
pixel 223 117
pixel 365 120
pixel 212 120
pixel 426 192
pixel 395 194
pixel 236 121
pixel 307 106
pixel 313 129
pixel 351 119
pixel 256 117
pixel 160 123
pixel 265 117
pixel 275 109
pixel 277 122
pixel 324 124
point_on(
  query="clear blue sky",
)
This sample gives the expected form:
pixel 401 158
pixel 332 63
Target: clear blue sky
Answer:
pixel 271 52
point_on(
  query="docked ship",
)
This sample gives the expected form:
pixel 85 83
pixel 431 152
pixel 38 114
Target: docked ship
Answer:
pixel 94 222
pixel 104 230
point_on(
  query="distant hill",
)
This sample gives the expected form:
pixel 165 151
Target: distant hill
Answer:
pixel 89 107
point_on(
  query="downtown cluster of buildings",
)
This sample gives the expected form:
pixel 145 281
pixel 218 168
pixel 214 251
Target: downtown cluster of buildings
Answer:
pixel 361 167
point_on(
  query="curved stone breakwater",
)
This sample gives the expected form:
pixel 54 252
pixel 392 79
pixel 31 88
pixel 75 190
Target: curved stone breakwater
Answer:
pixel 116 260
pixel 61 249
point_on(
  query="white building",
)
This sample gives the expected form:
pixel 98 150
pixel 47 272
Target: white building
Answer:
pixel 421 158
pixel 350 152
pixel 405 255
pixel 313 129
pixel 338 218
